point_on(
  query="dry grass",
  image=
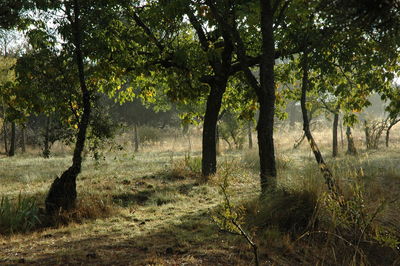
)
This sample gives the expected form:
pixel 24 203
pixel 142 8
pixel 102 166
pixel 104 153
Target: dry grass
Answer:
pixel 152 208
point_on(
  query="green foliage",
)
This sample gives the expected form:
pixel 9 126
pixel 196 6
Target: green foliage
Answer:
pixel 231 130
pixel 18 216
pixel 102 129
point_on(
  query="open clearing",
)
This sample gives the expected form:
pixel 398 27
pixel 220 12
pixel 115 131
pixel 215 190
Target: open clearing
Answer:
pixel 151 207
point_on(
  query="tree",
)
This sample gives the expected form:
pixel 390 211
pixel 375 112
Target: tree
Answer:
pixel 62 193
pixel 193 68
pixel 325 50
pixel 265 89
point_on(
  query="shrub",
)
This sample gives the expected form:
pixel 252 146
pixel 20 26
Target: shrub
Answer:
pixel 89 206
pixel 291 211
pixel 17 216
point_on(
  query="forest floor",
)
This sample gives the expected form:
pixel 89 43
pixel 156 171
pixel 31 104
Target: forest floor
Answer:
pixel 153 208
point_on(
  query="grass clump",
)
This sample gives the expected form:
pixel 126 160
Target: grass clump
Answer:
pixel 18 216
pixel 188 167
pixel 290 211
pixel 88 206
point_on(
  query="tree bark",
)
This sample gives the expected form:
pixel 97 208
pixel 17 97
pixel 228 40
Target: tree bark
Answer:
pixel 341 134
pixel 387 137
pixel 351 148
pixel 136 137
pixel 327 174
pixel 266 98
pixel 46 144
pixel 335 133
pixel 209 151
pixel 250 135
pixel 5 135
pixel 368 140
pixel 62 194
pixel 11 152
pixel 217 140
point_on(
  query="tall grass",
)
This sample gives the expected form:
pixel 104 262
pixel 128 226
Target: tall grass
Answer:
pixel 21 215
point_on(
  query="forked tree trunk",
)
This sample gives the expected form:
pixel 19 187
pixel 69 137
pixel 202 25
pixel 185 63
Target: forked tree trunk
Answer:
pixel 209 148
pixel 327 174
pixel 62 194
pixel 221 68
pixel 250 135
pixel 392 123
pixel 351 148
pixel 265 90
pixel 335 134
pixel 11 152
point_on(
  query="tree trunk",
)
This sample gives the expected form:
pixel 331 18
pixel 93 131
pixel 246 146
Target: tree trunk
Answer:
pixel 250 135
pixel 351 148
pixel 221 68
pixel 265 90
pixel 46 144
pixel 368 140
pixel 5 128
pixel 266 99
pixel 292 114
pixel 217 140
pixel 387 137
pixel 209 150
pixel 335 134
pixel 327 174
pixel 62 194
pixel 392 123
pixel 23 139
pixel 136 137
pixel 341 134
pixel 11 152
pixel 300 140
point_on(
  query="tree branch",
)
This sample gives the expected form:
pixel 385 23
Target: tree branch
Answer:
pixel 148 32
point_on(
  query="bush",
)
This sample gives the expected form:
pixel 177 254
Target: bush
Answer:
pixel 18 216
pixel 291 211
pixel 89 206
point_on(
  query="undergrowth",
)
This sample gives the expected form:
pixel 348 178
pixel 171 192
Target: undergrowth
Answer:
pixel 313 227
pixel 19 215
